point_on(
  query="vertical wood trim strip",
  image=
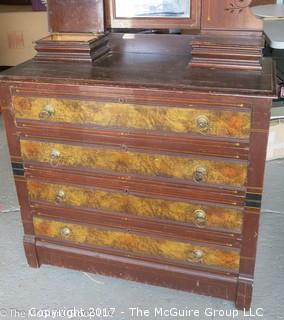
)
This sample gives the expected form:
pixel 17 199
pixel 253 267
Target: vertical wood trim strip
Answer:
pixel 257 157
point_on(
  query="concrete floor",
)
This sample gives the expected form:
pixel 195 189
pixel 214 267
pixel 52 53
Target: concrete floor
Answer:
pixel 22 288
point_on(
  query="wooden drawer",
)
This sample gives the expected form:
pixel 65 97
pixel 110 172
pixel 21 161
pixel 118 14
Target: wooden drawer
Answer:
pixel 138 244
pixel 115 202
pixel 182 168
pixel 182 120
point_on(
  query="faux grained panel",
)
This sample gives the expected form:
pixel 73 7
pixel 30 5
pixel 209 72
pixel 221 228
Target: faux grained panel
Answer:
pixel 118 202
pixel 180 251
pixel 130 116
pixel 140 163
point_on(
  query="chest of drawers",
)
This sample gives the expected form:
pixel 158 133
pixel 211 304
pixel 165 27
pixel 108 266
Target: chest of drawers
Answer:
pixel 142 156
pixel 159 185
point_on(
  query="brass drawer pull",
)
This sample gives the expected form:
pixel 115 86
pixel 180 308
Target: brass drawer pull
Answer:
pixel 55 156
pixel 47 112
pixel 202 123
pixel 200 174
pixel 200 218
pixel 60 196
pixel 65 232
pixel 196 256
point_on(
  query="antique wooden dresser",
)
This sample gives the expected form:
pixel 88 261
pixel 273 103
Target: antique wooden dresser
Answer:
pixel 138 142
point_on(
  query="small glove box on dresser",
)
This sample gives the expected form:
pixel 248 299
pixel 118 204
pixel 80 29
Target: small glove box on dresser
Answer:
pixel 141 154
pixel 77 32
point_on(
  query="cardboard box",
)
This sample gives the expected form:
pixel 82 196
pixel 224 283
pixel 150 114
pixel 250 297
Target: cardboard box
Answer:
pixel 20 27
pixel 276 140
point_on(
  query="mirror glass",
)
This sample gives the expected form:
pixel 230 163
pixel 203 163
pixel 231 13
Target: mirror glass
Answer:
pixel 152 8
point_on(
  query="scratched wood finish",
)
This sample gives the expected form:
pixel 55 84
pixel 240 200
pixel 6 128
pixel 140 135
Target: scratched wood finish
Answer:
pixel 129 162
pixel 119 202
pixel 137 244
pixel 222 123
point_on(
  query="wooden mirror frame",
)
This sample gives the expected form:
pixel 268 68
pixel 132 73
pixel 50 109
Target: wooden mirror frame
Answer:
pixel 193 22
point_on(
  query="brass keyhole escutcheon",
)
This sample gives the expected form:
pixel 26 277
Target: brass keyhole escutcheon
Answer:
pixel 54 157
pixel 200 218
pixel 124 147
pixel 202 123
pixel 47 112
pixel 200 174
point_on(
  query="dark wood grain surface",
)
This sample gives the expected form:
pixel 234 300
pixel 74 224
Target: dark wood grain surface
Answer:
pixel 76 16
pixel 152 70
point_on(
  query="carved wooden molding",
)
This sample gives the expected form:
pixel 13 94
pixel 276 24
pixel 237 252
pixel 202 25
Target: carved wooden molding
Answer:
pixel 238 6
pixel 227 52
pixel 231 36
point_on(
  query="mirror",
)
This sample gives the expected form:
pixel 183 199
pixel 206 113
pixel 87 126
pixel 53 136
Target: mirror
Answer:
pixel 153 14
pixel 152 9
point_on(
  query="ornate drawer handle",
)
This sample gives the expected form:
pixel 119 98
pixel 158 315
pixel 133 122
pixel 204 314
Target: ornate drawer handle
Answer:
pixel 60 196
pixel 197 256
pixel 202 123
pixel 65 232
pixel 200 217
pixel 200 174
pixel 47 112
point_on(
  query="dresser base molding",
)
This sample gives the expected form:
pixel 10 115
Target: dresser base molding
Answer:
pixel 208 284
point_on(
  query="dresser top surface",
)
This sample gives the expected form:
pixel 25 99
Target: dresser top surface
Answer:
pixel 148 70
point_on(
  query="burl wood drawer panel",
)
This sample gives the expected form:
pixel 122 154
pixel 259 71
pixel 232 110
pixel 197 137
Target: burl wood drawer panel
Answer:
pixel 234 124
pixel 116 160
pixel 144 206
pixel 138 244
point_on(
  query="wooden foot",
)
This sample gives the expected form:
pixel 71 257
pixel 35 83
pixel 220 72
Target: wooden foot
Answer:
pixel 244 294
pixel 30 250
